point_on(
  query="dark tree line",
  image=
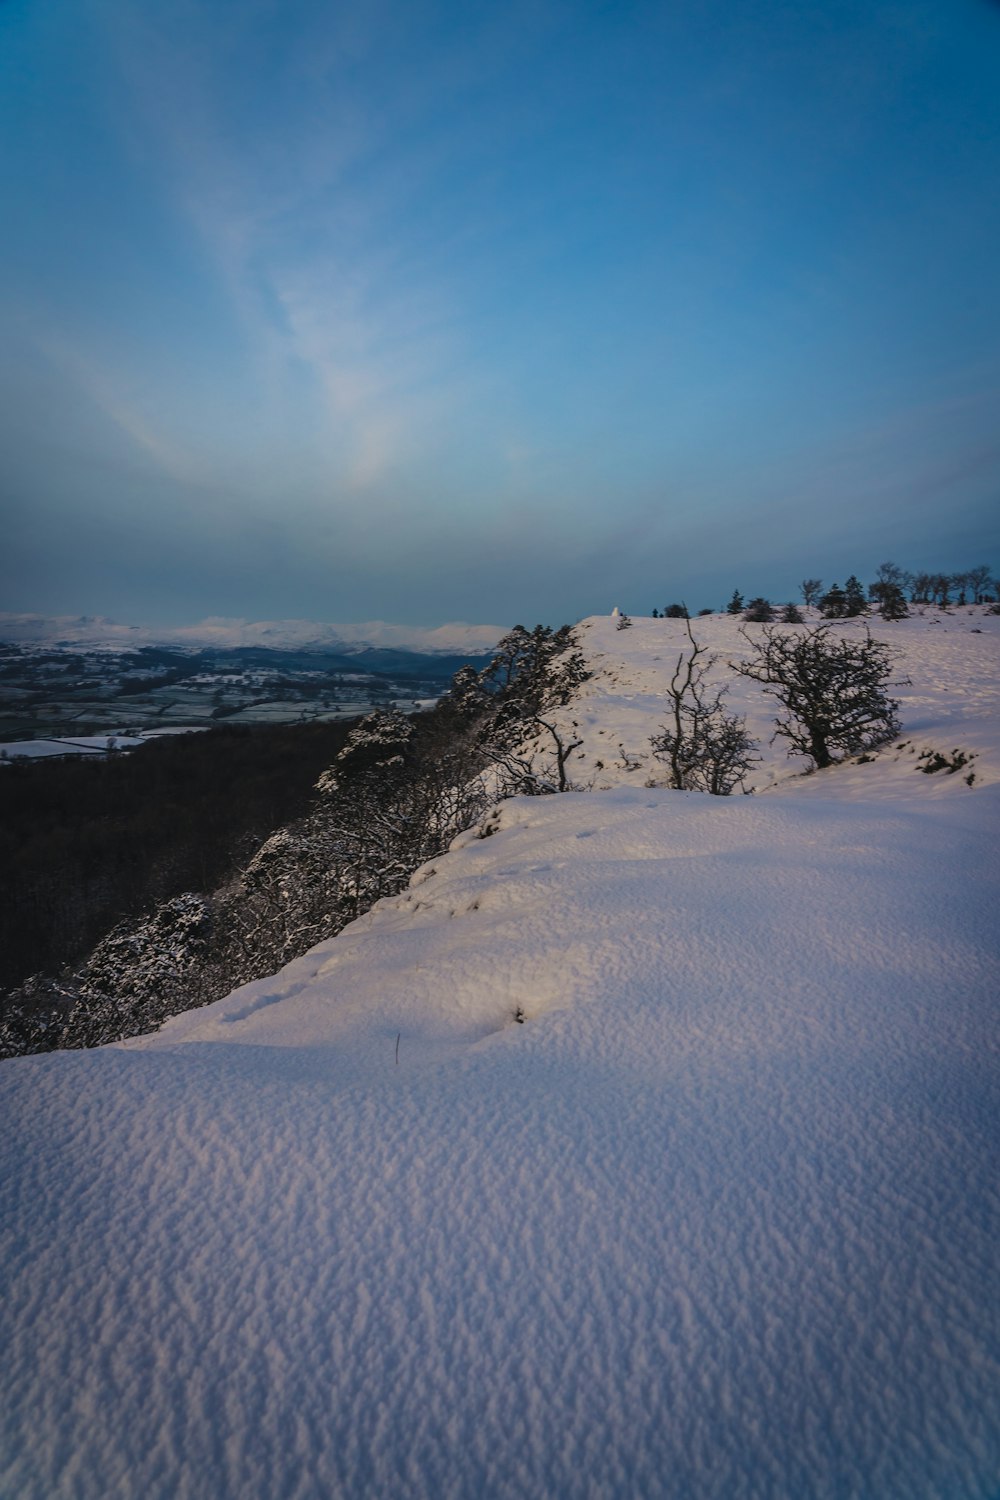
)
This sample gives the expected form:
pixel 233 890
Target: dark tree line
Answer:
pixel 84 843
pixel 890 594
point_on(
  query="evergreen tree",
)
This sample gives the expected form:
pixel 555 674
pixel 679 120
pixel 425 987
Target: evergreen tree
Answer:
pixel 833 605
pixel 854 597
pixel 891 601
pixel 759 611
pixel 735 605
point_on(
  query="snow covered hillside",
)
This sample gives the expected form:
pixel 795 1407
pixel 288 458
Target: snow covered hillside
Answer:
pixel 645 1146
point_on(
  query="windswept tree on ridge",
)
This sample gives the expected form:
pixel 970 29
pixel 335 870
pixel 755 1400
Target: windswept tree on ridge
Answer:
pixel 833 690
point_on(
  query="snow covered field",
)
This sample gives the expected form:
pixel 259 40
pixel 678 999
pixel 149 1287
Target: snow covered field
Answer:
pixel 87 744
pixel 720 1218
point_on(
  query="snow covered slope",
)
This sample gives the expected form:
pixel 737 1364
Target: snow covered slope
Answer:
pixel 720 1218
pixel 948 689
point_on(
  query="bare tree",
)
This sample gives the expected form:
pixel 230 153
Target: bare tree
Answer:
pixel 833 691
pixel 811 588
pixel 980 582
pixel 941 585
pixel 706 749
pixel 562 749
pixel 890 572
pixel 920 588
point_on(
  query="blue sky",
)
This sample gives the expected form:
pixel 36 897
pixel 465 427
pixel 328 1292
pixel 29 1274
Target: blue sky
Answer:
pixel 434 311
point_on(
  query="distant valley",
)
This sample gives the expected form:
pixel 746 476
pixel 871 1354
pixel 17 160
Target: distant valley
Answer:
pixel 67 691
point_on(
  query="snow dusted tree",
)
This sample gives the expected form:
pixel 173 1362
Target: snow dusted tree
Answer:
pixel 34 1016
pixel 289 897
pixel 706 749
pixel 540 667
pixel 519 732
pixel 833 691
pixel 141 973
pixel 467 697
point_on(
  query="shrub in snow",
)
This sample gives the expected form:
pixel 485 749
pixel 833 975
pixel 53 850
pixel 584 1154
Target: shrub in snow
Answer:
pixel 759 611
pixel 833 691
pixel 706 749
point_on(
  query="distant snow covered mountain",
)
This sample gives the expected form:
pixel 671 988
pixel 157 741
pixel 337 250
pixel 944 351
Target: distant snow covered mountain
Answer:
pixel 97 631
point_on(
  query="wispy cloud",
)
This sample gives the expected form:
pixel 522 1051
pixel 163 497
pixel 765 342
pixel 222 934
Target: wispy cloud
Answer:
pixel 300 233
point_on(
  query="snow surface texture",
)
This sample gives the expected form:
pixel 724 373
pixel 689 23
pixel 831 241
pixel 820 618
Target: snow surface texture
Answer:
pixel 720 1218
pixel 89 631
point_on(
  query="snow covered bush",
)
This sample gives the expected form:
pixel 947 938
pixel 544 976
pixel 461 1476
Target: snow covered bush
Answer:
pixel 140 974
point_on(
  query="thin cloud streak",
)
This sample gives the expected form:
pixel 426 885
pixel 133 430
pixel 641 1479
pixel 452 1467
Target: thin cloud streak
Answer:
pixel 378 347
